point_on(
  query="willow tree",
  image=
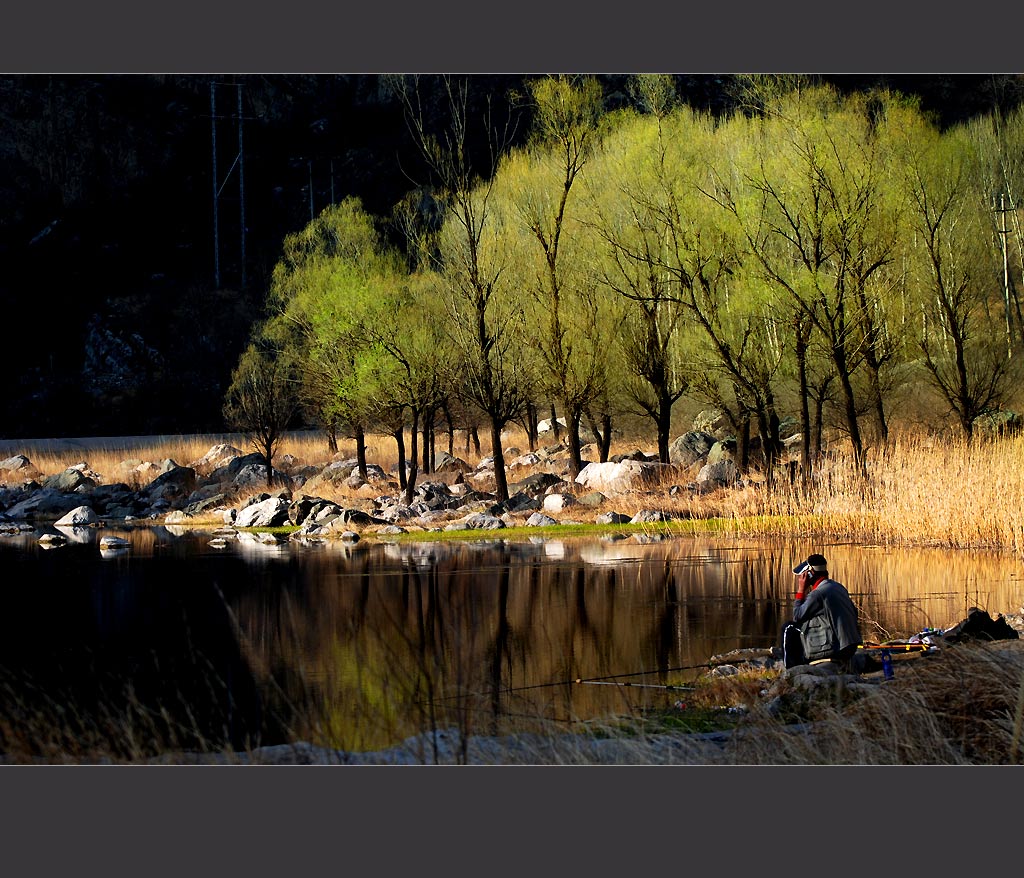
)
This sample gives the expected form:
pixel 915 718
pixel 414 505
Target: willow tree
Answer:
pixel 622 213
pixel 954 273
pixel 484 321
pixel 420 368
pixel 325 296
pixel 813 207
pixel 553 268
pixel 999 142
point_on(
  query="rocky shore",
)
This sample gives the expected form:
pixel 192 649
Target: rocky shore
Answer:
pixel 228 486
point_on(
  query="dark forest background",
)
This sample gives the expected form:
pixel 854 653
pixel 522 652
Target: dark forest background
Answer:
pixel 114 321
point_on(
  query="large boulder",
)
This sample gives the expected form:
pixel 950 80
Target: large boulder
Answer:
pixel 724 449
pixel 218 456
pixel 229 470
pixel 254 475
pixel 997 423
pixel 173 486
pixel 446 463
pixel 80 516
pixel 723 473
pixel 332 477
pixel 645 516
pixel 617 478
pixel 197 506
pixel 711 421
pixel 546 425
pixel 374 473
pixel 525 460
pixel 539 519
pixel 44 504
pixel 536 484
pixel 558 502
pixel 72 479
pixel 691 448
pixel 479 521
pixel 20 466
pixel 518 502
pixel 272 512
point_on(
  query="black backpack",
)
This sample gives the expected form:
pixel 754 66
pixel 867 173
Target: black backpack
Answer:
pixel 979 625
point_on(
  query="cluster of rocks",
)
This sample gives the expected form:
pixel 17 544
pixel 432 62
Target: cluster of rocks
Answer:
pixel 225 484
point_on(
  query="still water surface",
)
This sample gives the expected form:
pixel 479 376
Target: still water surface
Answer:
pixel 359 647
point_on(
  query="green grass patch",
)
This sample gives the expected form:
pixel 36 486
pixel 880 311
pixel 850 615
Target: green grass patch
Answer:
pixel 680 527
pixel 687 719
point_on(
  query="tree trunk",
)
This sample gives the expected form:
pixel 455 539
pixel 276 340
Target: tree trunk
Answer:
pixel 575 457
pixel 361 451
pixel 555 428
pixel 433 446
pixel 268 456
pixel 410 486
pixel 451 429
pixel 805 414
pixel 606 437
pixel 819 425
pixel 664 422
pixel 531 425
pixel 500 480
pixel 399 435
pixel 603 434
pixel 850 409
pixel 428 415
pixel 743 442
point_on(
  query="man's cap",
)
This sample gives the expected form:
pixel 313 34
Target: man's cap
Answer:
pixel 816 563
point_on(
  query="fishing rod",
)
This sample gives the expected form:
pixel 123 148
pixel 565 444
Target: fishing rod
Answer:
pixel 577 680
pixel 637 685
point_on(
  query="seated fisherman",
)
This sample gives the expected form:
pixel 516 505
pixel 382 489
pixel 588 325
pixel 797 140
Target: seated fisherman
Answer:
pixel 824 622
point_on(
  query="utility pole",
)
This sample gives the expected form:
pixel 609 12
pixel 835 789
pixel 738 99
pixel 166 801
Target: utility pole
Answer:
pixel 218 185
pixel 310 190
pixel 241 184
pixel 1003 232
pixel 213 140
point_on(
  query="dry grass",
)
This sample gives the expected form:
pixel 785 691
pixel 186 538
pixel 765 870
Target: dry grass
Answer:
pixel 957 707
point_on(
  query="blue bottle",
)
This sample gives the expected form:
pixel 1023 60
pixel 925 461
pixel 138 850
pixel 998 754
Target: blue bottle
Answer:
pixel 887 664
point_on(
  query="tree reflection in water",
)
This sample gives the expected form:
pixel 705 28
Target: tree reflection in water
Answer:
pixel 359 647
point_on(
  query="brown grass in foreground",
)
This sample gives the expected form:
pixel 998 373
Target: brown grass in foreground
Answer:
pixel 961 706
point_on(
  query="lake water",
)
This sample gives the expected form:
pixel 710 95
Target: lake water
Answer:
pixel 174 643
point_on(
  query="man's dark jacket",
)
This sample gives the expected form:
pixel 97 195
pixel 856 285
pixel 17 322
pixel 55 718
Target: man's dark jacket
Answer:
pixel 827 620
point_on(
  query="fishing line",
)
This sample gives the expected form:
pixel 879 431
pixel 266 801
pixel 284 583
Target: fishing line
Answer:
pixel 508 691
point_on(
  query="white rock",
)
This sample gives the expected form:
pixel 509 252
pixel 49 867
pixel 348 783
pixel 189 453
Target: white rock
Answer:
pixel 79 516
pixel 613 478
pixel 558 502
